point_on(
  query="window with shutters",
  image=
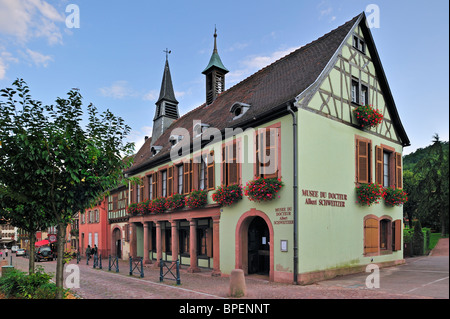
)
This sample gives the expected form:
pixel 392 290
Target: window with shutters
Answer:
pixel 363 160
pixel 230 163
pixel 388 167
pixel 267 152
pixel 382 235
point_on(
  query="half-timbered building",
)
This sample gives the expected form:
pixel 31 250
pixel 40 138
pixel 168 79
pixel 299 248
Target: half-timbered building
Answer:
pixel 293 121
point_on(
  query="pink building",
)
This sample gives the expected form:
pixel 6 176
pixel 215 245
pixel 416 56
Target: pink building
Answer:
pixel 94 230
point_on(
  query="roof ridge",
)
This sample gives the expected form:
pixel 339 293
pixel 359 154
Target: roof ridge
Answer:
pixel 301 48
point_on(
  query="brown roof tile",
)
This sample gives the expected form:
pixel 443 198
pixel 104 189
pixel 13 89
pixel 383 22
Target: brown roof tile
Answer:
pixel 267 89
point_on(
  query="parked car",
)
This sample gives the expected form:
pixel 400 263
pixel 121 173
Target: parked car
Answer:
pixel 14 249
pixel 20 252
pixel 44 253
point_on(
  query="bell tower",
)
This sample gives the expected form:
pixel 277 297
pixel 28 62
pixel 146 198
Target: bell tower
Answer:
pixel 215 74
pixel 166 106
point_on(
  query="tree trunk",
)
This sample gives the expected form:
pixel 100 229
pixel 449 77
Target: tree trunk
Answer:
pixel 31 252
pixel 443 224
pixel 60 260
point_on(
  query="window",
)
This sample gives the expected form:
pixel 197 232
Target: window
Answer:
pixel 150 187
pixel 359 44
pixel 363 162
pixel 384 233
pixel 364 95
pixel 388 167
pixel 202 174
pixel 267 152
pixel 359 92
pixel 164 183
pixel 355 90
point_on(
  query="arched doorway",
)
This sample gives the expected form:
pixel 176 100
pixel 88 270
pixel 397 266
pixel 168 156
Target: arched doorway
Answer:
pixel 258 247
pixel 254 244
pixel 117 242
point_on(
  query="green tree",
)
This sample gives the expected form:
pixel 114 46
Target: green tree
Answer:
pixel 64 166
pixel 410 183
pixel 433 186
pixel 17 211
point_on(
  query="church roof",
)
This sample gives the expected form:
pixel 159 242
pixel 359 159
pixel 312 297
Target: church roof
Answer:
pixel 166 91
pixel 267 91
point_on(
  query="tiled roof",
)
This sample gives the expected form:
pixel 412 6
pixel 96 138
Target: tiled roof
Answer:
pixel 265 91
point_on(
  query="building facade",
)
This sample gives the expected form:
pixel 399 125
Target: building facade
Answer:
pixel 94 229
pixel 292 121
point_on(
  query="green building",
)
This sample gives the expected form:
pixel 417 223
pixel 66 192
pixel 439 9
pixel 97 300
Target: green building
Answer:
pixel 291 121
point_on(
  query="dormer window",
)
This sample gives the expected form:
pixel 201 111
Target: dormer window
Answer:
pixel 174 139
pixel 200 128
pixel 239 109
pixel 155 150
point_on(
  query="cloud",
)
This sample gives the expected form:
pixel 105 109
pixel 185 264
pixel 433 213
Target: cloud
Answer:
pixel 253 63
pixel 28 19
pixel 118 90
pixel 39 59
pixel 5 58
pixel 326 11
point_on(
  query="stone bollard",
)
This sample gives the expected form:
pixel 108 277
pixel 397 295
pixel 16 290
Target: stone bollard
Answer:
pixel 237 284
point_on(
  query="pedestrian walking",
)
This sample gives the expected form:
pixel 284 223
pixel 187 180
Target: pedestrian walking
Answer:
pixel 95 250
pixel 88 252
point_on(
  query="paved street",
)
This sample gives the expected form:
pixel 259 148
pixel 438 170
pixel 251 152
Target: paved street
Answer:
pixel 420 277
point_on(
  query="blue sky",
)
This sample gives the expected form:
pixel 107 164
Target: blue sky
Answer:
pixel 116 55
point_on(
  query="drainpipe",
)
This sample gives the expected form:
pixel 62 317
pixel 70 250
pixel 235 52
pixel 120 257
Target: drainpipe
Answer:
pixel 295 188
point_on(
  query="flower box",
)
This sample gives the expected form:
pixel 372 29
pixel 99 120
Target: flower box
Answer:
pixel 367 116
pixel 394 196
pixel 262 189
pixel 196 199
pixel 369 194
pixel 227 195
pixel 158 205
pixel 174 202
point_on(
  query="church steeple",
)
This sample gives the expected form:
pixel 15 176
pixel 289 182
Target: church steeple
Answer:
pixel 167 105
pixel 215 74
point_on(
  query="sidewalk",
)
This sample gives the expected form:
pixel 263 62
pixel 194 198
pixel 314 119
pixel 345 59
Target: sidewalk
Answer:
pixel 441 248
pixel 104 284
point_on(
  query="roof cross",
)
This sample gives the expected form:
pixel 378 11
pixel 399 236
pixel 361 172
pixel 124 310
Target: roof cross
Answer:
pixel 167 51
